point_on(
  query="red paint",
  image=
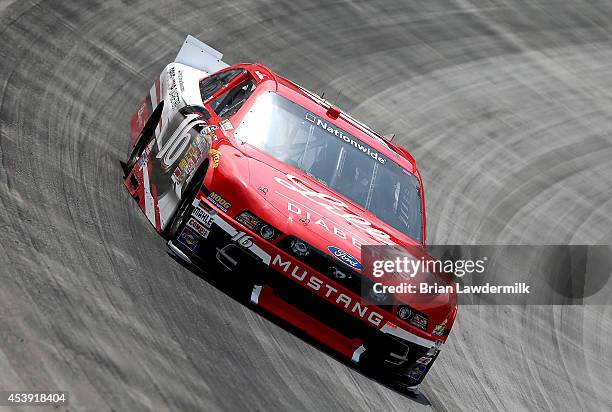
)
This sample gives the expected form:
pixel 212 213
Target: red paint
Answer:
pixel 312 327
pixel 139 119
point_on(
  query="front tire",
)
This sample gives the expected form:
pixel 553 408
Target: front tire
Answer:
pixel 186 205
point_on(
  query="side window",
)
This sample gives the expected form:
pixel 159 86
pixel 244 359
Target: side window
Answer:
pixel 231 101
pixel 212 83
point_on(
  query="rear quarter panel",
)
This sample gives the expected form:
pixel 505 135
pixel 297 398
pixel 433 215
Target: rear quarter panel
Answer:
pixel 177 85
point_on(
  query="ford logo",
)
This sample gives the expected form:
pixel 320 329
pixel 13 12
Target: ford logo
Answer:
pixel 345 257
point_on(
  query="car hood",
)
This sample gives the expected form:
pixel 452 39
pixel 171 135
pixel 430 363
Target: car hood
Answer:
pixel 317 214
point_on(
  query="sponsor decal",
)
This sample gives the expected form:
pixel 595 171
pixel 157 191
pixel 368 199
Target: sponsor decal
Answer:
pixel 202 142
pixel 180 80
pixel 189 239
pixel 322 223
pixel 335 207
pixel 187 163
pixel 203 216
pixel 197 226
pixel 327 291
pixel 219 201
pixel 417 371
pixel 345 257
pixel 172 91
pixel 215 156
pixel 209 131
pixel 419 321
pixel 424 360
pixel 139 119
pixel 226 124
pixel 143 159
pixel 440 328
pixel 342 135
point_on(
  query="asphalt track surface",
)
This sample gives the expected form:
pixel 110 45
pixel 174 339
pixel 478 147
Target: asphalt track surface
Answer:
pixel 506 105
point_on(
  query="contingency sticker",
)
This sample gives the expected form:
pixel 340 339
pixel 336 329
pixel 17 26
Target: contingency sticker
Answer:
pixel 189 239
pixel 226 124
pixel 424 360
pixel 216 156
pixel 198 227
pixel 419 320
pixel 209 131
pixel 203 216
pixel 219 201
pixel 417 371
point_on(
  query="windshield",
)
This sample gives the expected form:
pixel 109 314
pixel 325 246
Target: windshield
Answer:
pixel 335 158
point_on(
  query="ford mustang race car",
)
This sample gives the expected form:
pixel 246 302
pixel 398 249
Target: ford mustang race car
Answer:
pixel 239 166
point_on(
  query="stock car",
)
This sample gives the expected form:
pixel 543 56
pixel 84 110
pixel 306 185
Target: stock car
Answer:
pixel 239 166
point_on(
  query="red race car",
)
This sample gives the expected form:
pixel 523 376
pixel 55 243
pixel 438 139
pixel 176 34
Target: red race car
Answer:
pixel 239 165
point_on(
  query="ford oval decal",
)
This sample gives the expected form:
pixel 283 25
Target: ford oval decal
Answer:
pixel 345 257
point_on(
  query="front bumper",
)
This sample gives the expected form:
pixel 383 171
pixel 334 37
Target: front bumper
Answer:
pixel 284 286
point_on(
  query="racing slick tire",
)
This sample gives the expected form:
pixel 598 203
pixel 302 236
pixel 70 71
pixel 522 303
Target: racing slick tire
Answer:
pixel 186 205
pixel 146 134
